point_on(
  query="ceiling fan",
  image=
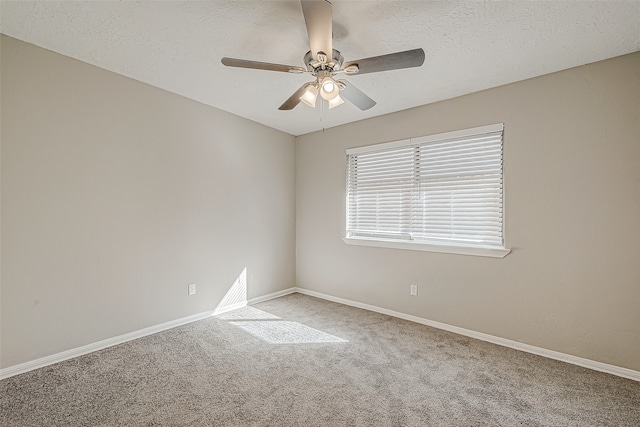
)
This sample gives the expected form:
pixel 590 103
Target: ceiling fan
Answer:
pixel 325 63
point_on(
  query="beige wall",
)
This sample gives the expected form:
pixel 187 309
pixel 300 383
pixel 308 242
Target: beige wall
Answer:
pixel 116 195
pixel 113 195
pixel 572 188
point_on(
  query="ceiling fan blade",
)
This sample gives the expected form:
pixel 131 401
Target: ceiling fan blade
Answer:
pixel 356 96
pixel 317 16
pixel 392 61
pixel 294 99
pixel 243 63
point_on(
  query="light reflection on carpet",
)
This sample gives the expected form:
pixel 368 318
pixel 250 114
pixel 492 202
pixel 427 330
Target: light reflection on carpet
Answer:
pixel 247 313
pixel 286 332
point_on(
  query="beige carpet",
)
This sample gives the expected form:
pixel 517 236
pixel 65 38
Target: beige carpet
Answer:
pixel 301 361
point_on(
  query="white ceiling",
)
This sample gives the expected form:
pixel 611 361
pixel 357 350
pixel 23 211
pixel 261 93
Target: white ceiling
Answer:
pixel 469 46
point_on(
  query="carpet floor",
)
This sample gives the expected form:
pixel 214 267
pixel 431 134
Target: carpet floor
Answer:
pixel 302 361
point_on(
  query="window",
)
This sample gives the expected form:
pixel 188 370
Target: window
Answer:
pixel 439 193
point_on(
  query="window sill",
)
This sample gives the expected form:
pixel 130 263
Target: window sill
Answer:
pixel 416 246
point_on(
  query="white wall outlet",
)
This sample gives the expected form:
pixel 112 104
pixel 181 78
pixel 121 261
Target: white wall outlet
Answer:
pixel 413 290
pixel 192 289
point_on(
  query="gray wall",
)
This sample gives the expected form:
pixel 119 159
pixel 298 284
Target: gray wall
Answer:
pixel 572 188
pixel 116 195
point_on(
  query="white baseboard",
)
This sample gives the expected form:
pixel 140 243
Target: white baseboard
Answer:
pixel 89 348
pixel 273 295
pixel 250 301
pixel 551 354
pixel 79 351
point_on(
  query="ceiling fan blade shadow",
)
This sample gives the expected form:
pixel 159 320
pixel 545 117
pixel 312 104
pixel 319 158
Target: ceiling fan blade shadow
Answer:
pixel 243 63
pixel 356 96
pixel 294 99
pixel 317 17
pixel 393 61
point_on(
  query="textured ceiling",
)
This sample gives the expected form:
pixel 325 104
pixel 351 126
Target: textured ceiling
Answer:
pixel 469 46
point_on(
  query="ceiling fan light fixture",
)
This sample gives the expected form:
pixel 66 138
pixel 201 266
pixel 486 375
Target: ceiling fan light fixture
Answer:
pixel 324 62
pixel 335 102
pixel 329 89
pixel 310 95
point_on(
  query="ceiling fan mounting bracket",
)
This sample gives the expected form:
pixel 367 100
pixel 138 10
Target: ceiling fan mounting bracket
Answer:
pixel 322 57
pixel 351 69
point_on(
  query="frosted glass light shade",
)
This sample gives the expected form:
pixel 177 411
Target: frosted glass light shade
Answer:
pixel 310 95
pixel 329 89
pixel 335 102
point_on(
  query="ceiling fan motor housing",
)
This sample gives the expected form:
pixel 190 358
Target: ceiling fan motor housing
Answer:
pixel 333 65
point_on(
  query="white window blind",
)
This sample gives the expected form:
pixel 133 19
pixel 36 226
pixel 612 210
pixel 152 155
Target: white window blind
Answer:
pixel 443 189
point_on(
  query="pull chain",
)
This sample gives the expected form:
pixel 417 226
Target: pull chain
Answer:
pixel 322 114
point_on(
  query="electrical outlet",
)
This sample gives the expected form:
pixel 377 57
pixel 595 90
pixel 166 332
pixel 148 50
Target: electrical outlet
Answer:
pixel 413 290
pixel 192 289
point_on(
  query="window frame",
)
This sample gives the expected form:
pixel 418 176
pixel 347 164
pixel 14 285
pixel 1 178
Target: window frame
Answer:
pixel 424 244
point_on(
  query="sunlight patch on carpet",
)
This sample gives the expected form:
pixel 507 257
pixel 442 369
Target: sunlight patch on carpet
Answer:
pixel 247 313
pixel 286 332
